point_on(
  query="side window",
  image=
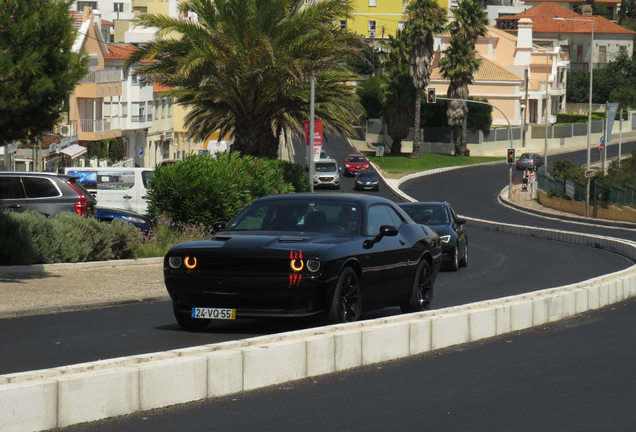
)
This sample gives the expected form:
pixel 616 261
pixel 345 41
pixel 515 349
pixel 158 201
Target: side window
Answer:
pixel 10 188
pixel 39 187
pixel 146 176
pixel 382 215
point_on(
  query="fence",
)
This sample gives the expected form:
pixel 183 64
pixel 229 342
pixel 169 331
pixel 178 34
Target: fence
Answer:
pixel 624 195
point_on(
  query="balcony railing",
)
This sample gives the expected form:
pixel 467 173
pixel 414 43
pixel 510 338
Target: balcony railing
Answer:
pixel 102 76
pixel 90 126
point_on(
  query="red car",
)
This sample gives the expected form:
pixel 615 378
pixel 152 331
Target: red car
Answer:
pixel 354 163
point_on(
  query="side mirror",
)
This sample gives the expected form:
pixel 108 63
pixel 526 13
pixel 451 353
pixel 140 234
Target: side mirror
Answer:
pixel 340 169
pixel 218 226
pixel 385 230
pixel 460 221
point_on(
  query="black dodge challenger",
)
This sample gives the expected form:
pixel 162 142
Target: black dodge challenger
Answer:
pixel 305 254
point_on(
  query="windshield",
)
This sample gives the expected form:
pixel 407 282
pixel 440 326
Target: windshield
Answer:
pixel 433 215
pixel 325 167
pixel 357 159
pixel 366 174
pixel 298 216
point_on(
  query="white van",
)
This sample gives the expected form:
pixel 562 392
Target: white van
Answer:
pixel 116 187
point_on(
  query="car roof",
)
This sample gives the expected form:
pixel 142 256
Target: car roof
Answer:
pixel 356 154
pixel 329 159
pixel 424 203
pixel 37 174
pixel 333 197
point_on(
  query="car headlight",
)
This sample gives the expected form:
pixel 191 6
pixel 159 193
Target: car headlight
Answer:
pixel 174 262
pixel 445 239
pixel 315 177
pixel 134 220
pixel 374 183
pixel 348 166
pixel 313 265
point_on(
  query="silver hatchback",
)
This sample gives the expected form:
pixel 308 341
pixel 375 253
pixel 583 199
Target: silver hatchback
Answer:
pixel 530 161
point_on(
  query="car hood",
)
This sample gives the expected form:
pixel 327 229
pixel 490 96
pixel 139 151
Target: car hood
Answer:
pixel 442 229
pixel 262 244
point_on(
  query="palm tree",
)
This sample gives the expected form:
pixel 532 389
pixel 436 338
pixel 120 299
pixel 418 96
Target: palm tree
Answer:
pixel 243 67
pixel 469 24
pixel 398 92
pixel 424 19
pixel 458 64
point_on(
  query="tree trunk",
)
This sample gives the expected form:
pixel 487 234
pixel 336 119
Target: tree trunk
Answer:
pixel 416 137
pixel 254 137
pixel 396 147
pixel 463 142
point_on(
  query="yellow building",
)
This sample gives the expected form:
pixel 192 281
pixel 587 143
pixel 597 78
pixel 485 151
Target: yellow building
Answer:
pixel 377 19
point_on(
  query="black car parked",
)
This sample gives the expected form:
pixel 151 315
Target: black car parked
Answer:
pixel 44 192
pixel 442 218
pixel 297 255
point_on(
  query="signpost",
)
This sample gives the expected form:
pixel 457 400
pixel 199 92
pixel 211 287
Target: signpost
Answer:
pixel 589 173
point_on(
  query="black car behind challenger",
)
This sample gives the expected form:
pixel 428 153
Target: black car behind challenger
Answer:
pixel 297 255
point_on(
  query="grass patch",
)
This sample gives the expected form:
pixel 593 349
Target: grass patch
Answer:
pixel 402 164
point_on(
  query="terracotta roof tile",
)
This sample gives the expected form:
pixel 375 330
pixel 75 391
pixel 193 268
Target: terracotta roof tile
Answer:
pixel 488 71
pixel 158 88
pixel 542 16
pixel 121 52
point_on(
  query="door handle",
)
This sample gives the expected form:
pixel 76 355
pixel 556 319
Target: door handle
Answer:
pixel 127 197
pixel 402 242
pixel 15 206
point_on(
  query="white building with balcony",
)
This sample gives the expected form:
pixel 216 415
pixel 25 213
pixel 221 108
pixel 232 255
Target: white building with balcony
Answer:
pixel 133 110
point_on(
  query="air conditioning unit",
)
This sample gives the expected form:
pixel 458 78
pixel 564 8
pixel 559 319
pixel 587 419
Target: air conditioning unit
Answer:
pixel 67 130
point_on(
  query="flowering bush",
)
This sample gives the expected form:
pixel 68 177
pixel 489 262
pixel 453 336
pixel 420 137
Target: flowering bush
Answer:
pixel 167 233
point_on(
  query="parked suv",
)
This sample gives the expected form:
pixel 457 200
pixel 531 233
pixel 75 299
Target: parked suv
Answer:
pixel 326 173
pixel 44 192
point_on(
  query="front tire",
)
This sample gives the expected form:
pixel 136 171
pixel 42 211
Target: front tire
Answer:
pixel 345 305
pixel 186 321
pixel 422 292
pixel 454 264
pixel 464 261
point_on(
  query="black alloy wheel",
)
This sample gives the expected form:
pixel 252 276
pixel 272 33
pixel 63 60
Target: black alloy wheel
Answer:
pixel 464 261
pixel 422 293
pixel 186 321
pixel 345 306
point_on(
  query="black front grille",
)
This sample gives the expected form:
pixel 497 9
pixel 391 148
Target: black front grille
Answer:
pixel 244 265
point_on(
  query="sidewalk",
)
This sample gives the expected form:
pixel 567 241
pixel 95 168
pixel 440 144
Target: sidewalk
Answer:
pixel 55 288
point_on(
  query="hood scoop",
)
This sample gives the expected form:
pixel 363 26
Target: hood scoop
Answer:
pixel 291 240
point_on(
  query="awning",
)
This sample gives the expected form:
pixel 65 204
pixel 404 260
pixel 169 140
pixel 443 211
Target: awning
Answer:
pixel 74 150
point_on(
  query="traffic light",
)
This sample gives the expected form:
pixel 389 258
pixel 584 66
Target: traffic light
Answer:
pixel 431 96
pixel 511 156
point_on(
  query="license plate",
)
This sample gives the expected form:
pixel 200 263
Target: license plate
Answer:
pixel 213 313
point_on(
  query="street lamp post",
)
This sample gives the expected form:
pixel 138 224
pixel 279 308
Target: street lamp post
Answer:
pixel 589 114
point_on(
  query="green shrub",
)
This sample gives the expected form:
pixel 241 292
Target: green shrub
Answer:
pixel 578 118
pixel 32 238
pixel 80 238
pixel 126 239
pixel 17 247
pixel 204 189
